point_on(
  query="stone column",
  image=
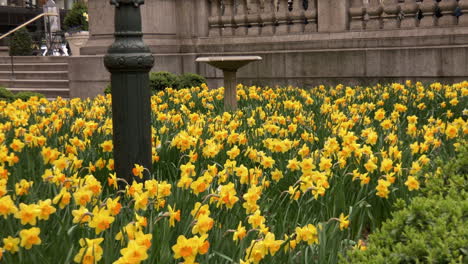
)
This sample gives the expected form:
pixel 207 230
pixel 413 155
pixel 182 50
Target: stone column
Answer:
pixel 201 17
pixel 230 91
pixel 101 17
pixel 332 15
pixel 186 18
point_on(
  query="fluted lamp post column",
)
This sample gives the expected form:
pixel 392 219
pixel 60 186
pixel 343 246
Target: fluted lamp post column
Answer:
pixel 129 61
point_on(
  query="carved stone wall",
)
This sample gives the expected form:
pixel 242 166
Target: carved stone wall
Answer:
pixel 302 42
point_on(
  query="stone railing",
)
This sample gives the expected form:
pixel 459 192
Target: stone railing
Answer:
pixel 261 17
pixel 394 14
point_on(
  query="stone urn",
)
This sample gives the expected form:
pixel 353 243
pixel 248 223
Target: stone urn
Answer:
pixel 76 41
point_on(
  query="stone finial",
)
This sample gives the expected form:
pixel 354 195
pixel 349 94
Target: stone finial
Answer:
pixel 136 3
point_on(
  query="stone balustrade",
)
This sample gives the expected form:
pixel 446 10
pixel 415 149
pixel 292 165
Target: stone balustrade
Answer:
pixel 261 17
pixel 403 14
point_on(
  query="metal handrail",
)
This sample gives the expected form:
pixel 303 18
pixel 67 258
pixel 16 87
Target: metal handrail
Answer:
pixel 19 27
pixel 27 23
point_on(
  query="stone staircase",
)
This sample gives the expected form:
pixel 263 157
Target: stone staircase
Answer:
pixel 45 75
pixel 3 51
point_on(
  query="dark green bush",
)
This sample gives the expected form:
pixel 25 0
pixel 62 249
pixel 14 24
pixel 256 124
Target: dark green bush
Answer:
pixel 432 229
pixel 161 80
pixel 26 95
pixel 21 43
pixel 6 94
pixel 108 89
pixel 75 19
pixel 189 80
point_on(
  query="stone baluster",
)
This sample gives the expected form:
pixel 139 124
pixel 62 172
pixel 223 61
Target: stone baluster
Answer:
pixel 268 16
pixel 391 14
pixel 297 17
pixel 447 9
pixel 310 14
pixel 356 14
pixel 254 20
pixel 240 18
pixel 227 19
pixel 282 17
pixel 409 11
pixel 463 19
pixel 374 15
pixel 214 20
pixel 428 8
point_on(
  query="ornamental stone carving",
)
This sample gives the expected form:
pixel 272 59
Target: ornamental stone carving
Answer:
pixel 240 18
pixel 374 13
pixel 282 17
pixel 447 9
pixel 463 19
pixel 214 20
pixel 268 16
pixel 254 20
pixel 357 17
pixel 428 8
pixel 391 10
pixel 409 12
pixel 297 18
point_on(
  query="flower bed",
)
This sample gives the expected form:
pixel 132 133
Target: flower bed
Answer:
pixel 294 176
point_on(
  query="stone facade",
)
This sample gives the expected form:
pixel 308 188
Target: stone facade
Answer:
pixel 302 43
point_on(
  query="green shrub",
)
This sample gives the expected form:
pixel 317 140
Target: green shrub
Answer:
pixel 450 179
pixel 108 89
pixel 26 95
pixel 161 80
pixel 432 229
pixel 21 43
pixel 75 20
pixel 5 94
pixel 189 80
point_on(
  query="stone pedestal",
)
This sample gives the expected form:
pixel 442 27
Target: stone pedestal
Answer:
pixel 229 65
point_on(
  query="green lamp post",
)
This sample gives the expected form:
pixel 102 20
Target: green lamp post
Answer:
pixel 129 61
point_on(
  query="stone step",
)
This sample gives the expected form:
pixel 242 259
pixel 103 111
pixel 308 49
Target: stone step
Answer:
pixel 47 84
pixel 32 59
pixel 37 75
pixel 35 67
pixel 3 51
pixel 49 93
